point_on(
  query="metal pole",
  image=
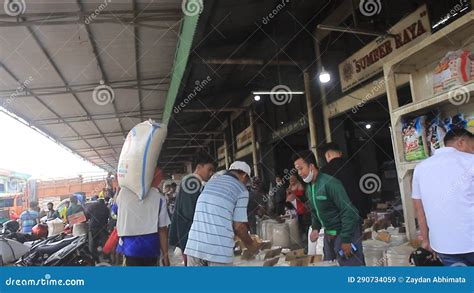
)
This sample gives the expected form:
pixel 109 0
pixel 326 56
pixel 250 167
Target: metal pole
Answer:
pixel 309 106
pixel 254 143
pixel 319 66
pixel 226 152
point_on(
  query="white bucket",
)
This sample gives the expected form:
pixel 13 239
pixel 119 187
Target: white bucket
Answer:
pixel 374 252
pixel 295 237
pixel 267 229
pixel 281 235
pixel 399 255
pixel 80 229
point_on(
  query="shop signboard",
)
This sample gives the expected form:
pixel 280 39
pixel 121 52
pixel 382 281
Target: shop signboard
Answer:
pixel 369 60
pixel 244 138
pixel 221 152
pixel 290 128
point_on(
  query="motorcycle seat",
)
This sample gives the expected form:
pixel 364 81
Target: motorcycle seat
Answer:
pixel 51 248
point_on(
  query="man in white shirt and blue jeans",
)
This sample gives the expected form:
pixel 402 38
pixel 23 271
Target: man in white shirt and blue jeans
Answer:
pixel 443 196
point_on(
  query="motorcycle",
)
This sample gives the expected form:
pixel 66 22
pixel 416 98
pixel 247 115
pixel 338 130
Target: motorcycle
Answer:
pixel 59 250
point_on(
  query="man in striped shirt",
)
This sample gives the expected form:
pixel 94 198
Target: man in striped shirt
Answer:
pixel 221 212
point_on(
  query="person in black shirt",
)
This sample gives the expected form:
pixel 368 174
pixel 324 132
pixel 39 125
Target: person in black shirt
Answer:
pixel 279 196
pixel 51 213
pixel 98 215
pixel 343 170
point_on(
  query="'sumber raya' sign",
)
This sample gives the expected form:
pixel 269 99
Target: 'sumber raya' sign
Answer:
pixel 368 61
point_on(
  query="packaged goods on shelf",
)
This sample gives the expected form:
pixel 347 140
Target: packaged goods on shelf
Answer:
pixel 414 140
pixel 435 132
pixel 454 69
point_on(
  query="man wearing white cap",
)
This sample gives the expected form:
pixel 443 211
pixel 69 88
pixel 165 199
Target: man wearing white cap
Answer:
pixel 221 213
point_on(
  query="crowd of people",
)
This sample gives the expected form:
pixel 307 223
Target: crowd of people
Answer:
pixel 204 215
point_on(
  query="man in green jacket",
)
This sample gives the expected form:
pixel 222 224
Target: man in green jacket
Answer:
pixel 332 210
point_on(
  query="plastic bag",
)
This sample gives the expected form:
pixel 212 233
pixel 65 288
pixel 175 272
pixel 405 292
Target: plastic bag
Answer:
pixel 453 69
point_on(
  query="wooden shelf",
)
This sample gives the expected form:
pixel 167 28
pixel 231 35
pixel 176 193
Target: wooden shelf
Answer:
pixel 404 167
pixel 437 100
pixel 418 63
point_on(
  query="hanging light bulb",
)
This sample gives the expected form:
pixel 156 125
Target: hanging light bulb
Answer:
pixel 324 76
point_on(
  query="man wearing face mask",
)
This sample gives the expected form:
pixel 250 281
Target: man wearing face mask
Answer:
pixel 221 213
pixel 332 210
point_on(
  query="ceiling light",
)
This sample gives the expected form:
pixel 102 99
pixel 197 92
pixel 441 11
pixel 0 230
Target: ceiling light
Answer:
pixel 278 93
pixel 324 76
pixel 256 98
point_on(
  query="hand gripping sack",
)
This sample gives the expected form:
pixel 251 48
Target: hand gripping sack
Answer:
pixel 139 157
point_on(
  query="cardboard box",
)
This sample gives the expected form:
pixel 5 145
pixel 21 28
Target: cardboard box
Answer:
pixel 302 261
pixel 271 262
pixel 294 254
pixel 77 218
pixel 316 258
pixel 271 253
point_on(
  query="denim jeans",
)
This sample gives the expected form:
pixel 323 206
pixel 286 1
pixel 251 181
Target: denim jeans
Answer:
pixel 464 259
pixel 332 245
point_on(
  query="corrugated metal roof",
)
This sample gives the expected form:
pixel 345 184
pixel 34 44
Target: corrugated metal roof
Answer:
pixel 54 55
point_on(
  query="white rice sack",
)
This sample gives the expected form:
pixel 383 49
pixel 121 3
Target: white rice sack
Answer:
pixel 139 156
pixel 55 227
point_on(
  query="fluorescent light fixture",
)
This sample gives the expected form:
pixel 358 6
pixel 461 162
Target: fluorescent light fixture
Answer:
pixel 277 93
pixel 324 76
pixel 256 98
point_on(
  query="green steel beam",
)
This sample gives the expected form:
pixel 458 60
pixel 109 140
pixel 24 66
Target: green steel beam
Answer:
pixel 188 30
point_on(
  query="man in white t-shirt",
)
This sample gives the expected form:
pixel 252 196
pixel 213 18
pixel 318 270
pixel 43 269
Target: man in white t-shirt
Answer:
pixel 142 225
pixel 443 195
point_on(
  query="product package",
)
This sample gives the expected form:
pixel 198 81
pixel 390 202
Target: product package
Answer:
pixel 454 69
pixel 414 140
pixel 435 132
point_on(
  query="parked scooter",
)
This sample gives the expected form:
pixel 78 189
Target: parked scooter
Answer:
pixel 10 226
pixel 59 250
